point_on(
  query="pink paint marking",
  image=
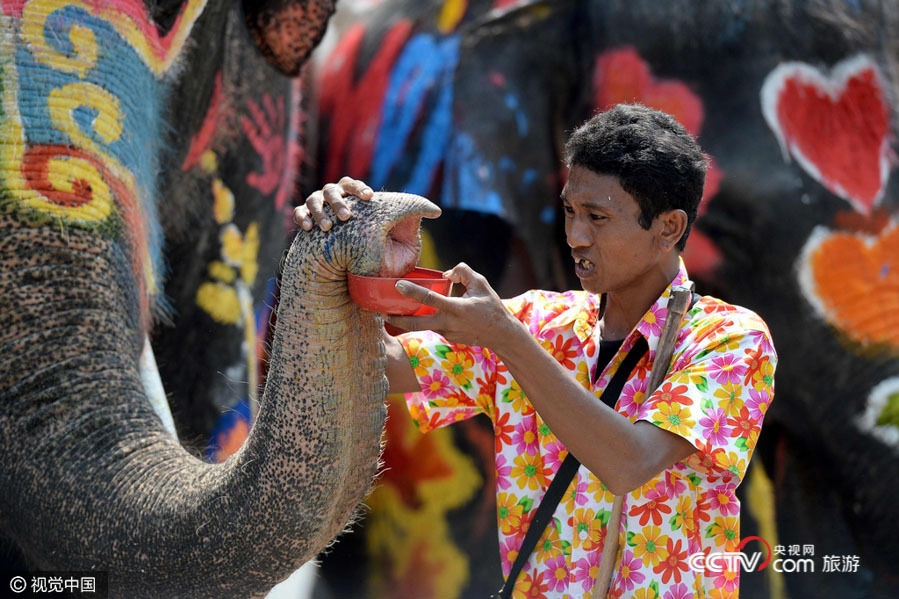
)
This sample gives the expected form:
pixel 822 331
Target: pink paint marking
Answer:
pixel 836 126
pixel 202 141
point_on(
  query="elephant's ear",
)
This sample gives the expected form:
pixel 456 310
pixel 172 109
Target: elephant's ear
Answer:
pixel 286 31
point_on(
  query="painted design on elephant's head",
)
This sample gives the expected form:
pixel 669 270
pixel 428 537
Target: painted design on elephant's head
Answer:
pixel 852 280
pixel 83 154
pixel 621 75
pixel 427 477
pixel 881 416
pixel 835 125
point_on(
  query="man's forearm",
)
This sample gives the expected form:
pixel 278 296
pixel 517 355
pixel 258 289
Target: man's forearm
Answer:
pixel 400 373
pixel 623 455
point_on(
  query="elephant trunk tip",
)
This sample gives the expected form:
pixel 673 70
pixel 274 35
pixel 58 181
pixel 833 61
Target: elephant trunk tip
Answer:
pixel 402 244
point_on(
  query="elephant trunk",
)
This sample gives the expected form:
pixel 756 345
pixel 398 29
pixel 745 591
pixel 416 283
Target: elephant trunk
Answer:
pixel 90 479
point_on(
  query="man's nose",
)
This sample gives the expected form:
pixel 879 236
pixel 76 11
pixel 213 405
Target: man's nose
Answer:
pixel 577 235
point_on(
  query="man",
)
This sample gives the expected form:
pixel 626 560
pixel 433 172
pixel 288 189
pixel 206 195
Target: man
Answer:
pixel 537 365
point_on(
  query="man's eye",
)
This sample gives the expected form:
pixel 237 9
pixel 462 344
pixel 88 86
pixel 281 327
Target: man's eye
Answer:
pixel 597 217
pixel 567 209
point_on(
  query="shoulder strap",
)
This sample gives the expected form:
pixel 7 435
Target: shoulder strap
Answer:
pixel 565 474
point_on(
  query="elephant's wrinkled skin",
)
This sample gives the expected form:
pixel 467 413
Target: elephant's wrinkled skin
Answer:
pixel 110 151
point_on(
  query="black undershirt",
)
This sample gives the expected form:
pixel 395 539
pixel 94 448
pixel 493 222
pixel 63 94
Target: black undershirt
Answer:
pixel 607 351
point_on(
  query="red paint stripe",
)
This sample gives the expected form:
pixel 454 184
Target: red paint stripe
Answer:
pixel 202 141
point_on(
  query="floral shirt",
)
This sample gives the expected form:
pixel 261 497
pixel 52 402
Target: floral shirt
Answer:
pixel 715 396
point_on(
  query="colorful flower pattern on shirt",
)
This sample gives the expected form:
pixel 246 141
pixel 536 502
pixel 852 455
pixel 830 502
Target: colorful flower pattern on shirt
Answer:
pixel 715 396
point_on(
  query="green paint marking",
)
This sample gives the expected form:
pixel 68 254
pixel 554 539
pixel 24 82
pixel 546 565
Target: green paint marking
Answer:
pixel 889 415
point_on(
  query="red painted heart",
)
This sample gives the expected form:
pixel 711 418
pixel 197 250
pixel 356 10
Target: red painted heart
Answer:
pixel 835 126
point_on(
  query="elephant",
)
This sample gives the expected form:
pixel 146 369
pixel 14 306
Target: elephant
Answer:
pixel 150 154
pixel 797 107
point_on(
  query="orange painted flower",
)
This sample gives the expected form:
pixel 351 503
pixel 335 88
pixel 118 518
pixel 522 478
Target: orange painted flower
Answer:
pixel 418 357
pixel 650 545
pixel 670 393
pixel 674 418
pixel 725 531
pixel 458 366
pixel 730 398
pixel 508 513
pixel 587 529
pixel 528 472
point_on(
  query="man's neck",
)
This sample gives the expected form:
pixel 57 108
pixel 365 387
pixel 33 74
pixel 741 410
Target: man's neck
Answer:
pixel 625 308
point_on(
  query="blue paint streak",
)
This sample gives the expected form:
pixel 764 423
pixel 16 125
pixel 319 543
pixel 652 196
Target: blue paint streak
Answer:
pixel 548 215
pixel 328 245
pixel 424 65
pixel 227 421
pixel 521 119
pixel 468 182
pixel 263 310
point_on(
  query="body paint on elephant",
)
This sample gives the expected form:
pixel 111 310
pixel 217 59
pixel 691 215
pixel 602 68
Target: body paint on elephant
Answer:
pixel 389 102
pixel 881 416
pixel 226 294
pixel 84 154
pixel 837 126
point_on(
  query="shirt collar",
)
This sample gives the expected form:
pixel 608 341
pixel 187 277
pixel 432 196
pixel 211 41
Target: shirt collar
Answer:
pixel 583 314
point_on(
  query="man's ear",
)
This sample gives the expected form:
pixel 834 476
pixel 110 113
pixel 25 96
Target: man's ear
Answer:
pixel 673 224
pixel 286 31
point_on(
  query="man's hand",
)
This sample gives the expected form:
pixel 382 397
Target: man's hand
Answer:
pixel 332 194
pixel 477 318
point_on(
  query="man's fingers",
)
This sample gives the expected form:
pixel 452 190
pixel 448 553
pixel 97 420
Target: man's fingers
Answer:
pixel 422 295
pixel 315 204
pixel 301 217
pixel 464 275
pixel 333 195
pixel 357 188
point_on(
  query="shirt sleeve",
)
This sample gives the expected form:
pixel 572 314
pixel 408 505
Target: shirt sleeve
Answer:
pixel 717 396
pixel 457 381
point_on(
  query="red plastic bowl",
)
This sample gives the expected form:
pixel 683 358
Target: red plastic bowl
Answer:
pixel 379 294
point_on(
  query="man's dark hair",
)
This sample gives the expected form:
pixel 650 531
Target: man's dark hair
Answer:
pixel 654 158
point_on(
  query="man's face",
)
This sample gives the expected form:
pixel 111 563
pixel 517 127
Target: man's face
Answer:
pixel 611 251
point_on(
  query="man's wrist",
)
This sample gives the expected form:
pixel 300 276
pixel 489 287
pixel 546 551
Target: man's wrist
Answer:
pixel 511 335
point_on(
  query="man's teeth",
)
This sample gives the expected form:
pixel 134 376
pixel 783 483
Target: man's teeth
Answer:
pixel 585 263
